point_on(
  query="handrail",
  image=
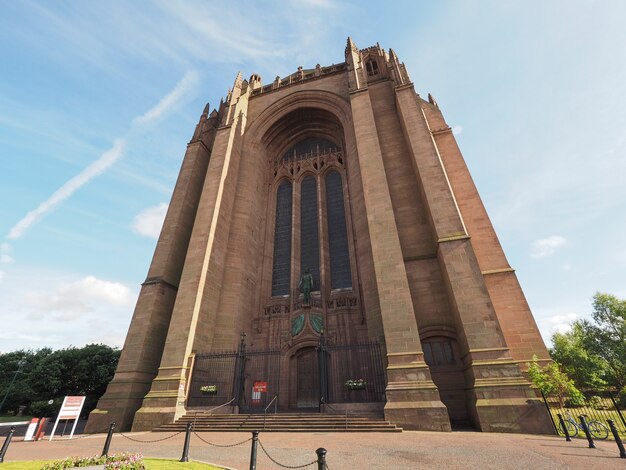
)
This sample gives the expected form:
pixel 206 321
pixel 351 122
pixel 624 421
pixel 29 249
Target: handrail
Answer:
pixel 211 410
pixel 223 404
pixel 268 405
pixel 336 410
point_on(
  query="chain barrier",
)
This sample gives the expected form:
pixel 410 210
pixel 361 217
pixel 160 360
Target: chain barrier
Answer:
pixel 149 442
pixel 280 464
pixel 221 445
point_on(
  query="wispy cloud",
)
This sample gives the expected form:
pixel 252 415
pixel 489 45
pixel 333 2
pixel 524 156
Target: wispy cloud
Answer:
pixel 108 158
pixel 547 246
pixel 169 101
pixel 456 130
pixel 149 222
pixel 100 165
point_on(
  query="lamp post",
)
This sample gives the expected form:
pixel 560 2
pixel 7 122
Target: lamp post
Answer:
pixel 20 363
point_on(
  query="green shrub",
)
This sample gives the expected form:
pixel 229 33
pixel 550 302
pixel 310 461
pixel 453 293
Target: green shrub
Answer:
pixel 42 408
pixel 597 403
pixel 575 399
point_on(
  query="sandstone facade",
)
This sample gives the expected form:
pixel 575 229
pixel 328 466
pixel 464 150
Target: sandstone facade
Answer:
pixel 348 171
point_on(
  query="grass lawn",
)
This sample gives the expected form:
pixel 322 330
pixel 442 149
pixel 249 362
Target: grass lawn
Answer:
pixel 151 464
pixel 10 419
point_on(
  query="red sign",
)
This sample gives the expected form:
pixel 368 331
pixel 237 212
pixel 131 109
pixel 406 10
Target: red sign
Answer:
pixel 71 407
pixel 260 387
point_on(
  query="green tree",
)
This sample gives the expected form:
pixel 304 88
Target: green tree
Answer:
pixel 551 380
pixel 75 371
pixel 605 336
pixel 587 370
pixel 50 375
pixel 18 392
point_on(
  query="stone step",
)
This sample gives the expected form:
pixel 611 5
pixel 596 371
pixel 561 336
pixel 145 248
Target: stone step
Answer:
pixel 290 422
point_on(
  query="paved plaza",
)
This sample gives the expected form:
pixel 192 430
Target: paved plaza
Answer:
pixel 407 450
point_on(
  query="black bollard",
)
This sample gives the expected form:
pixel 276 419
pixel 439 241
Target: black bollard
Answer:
pixel 185 457
pixel 583 424
pixel 618 440
pixel 7 441
pixel 107 443
pixel 321 458
pixel 567 438
pixel 255 442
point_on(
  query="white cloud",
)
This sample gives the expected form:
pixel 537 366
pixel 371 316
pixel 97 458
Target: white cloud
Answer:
pixel 100 165
pixel 559 323
pixel 547 246
pixel 42 308
pixel 184 86
pixel 149 222
pixel 456 130
pixel 1 275
pixel 74 299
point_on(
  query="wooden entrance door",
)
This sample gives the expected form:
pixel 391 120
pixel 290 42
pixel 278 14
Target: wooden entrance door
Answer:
pixel 307 373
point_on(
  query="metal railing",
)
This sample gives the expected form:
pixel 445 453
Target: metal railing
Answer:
pixel 322 402
pixel 212 410
pixel 274 400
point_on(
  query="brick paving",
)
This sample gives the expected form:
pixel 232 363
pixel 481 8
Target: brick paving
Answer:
pixel 407 450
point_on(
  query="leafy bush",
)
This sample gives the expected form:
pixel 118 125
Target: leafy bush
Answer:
pixel 41 408
pixel 574 399
pixel 598 403
pixel 112 462
pixel 621 398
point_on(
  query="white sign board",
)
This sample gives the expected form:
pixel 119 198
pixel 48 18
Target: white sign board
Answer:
pixel 30 431
pixel 70 409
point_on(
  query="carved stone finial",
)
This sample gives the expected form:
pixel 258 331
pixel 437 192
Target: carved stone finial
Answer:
pixel 205 113
pixel 238 80
pixel 431 100
pixel 350 46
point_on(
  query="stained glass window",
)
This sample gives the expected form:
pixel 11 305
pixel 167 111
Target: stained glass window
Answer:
pixel 340 273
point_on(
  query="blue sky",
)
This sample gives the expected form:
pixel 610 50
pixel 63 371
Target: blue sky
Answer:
pixel 98 101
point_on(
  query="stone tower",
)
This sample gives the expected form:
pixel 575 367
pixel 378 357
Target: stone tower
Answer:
pixel 346 173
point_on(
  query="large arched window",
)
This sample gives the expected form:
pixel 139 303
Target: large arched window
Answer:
pixel 309 233
pixel 281 267
pixel 340 275
pixel 310 214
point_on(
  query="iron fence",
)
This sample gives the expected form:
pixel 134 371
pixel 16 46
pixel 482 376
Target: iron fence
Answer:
pixel 356 373
pixel 348 373
pixel 260 379
pixel 216 369
pixel 597 407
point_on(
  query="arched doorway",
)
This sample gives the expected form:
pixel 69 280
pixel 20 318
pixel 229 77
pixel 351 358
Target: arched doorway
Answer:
pixel 307 378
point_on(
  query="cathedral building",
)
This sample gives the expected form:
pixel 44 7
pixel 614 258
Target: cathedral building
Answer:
pixel 325 245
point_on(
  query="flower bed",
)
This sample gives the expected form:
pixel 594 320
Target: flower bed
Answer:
pixel 112 462
pixel 355 384
pixel 209 390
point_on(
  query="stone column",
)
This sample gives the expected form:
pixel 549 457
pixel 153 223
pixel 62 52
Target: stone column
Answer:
pixel 500 398
pixel 412 398
pixel 147 332
pixel 195 309
pixel 518 325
